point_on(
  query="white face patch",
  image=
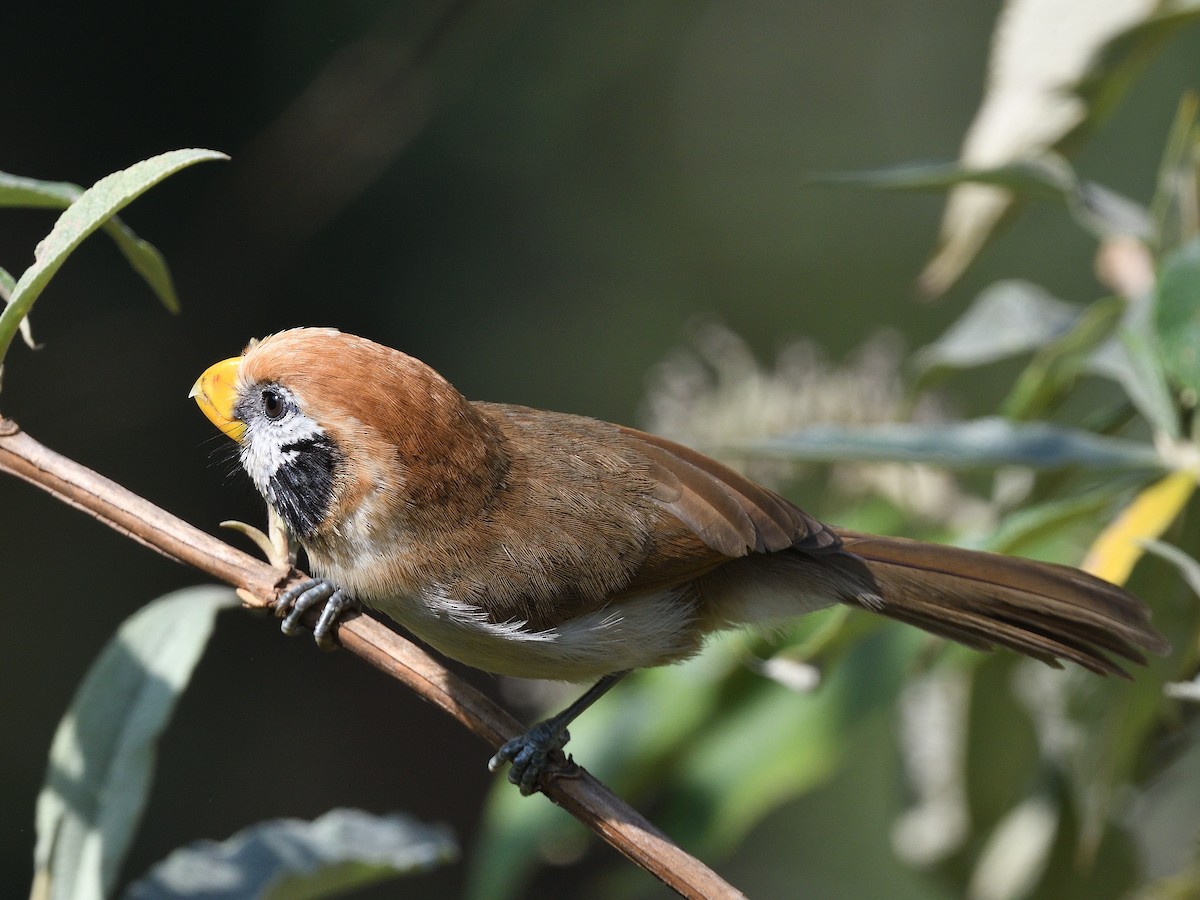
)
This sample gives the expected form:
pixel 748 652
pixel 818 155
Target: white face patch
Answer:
pixel 289 457
pixel 270 444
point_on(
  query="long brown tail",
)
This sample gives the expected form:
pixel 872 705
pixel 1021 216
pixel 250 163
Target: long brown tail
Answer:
pixel 1046 611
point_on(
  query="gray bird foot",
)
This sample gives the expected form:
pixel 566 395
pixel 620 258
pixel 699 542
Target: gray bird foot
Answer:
pixel 529 754
pixel 298 599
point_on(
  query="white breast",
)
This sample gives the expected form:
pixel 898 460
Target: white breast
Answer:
pixel 649 630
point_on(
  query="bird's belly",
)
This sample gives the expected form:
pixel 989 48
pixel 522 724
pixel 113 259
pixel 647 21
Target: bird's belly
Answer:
pixel 647 630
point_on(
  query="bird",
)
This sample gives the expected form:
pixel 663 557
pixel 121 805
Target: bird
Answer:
pixel 555 546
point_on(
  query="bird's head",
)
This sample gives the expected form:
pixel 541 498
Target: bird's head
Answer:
pixel 332 426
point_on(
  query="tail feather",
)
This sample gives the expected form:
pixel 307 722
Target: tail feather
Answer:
pixel 1043 610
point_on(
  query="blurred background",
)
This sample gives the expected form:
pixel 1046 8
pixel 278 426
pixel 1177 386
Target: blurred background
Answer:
pixel 538 199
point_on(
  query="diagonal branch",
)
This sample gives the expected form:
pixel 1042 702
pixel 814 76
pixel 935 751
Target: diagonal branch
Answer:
pixel 571 787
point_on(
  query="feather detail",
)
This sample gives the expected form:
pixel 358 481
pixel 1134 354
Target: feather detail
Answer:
pixel 1043 610
pixel 728 511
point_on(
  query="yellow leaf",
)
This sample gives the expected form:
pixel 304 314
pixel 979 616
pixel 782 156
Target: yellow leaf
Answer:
pixel 1119 547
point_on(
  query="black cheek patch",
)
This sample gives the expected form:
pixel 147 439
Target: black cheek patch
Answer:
pixel 302 489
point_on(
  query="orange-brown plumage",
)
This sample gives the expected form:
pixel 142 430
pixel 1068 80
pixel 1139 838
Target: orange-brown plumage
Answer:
pixel 549 545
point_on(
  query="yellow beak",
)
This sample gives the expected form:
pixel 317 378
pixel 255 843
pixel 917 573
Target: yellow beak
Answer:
pixel 215 393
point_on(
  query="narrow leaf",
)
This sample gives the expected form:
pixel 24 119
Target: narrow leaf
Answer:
pixel 142 256
pixel 290 859
pixel 1119 547
pixel 1116 64
pixel 1175 206
pixel 7 283
pixel 1008 318
pixel 91 210
pixel 102 757
pixel 1104 213
pixel 1058 363
pixel 1129 357
pixel 1047 178
pixel 32 193
pixel 987 442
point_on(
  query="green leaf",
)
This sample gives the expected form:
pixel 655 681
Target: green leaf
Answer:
pixel 1119 723
pixel 142 256
pixel 772 745
pixel 1047 177
pixel 1088 858
pixel 1175 197
pixel 1000 763
pixel 1116 720
pixel 1041 178
pixel 102 757
pixel 1034 530
pixel 290 859
pixel 987 442
pixel 1006 319
pixel 31 193
pixel 1164 819
pixel 1117 63
pixel 90 211
pixel 1177 317
pixel 1129 357
pixel 517 836
pixel 1057 365
pixel 1104 213
pixel 1187 565
pixel 7 283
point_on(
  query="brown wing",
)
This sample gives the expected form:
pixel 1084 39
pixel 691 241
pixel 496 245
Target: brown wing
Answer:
pixel 728 512
pixel 594 511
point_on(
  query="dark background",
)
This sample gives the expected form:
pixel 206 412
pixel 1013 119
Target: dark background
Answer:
pixel 535 198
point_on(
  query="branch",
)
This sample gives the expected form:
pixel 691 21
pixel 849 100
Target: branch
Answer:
pixel 569 786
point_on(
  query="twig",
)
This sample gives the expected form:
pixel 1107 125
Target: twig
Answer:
pixel 571 787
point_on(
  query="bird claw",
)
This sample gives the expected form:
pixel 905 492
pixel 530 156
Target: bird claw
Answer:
pixel 300 598
pixel 529 755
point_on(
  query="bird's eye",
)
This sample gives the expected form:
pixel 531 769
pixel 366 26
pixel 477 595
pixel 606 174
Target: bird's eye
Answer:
pixel 272 403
